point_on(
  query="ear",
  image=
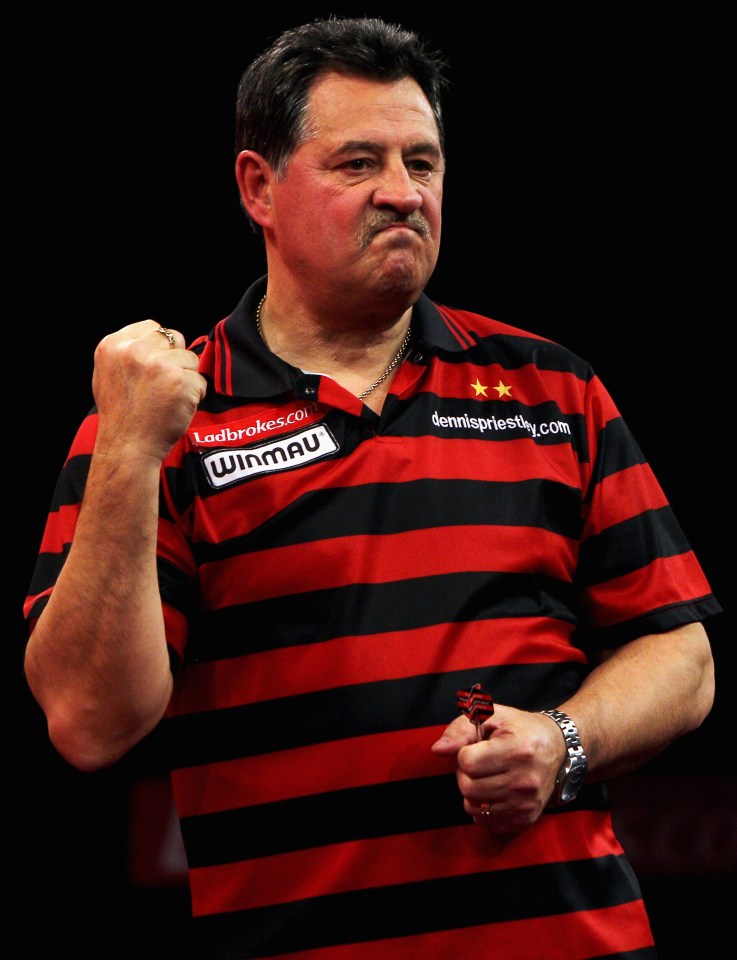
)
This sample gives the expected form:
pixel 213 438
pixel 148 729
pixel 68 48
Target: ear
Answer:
pixel 254 177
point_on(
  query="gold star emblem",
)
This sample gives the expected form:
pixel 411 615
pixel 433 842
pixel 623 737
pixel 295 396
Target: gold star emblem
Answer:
pixel 503 391
pixel 479 388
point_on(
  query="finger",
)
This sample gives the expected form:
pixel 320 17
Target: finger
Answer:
pixel 173 337
pixel 169 336
pixel 487 728
pixel 482 813
pixel 457 734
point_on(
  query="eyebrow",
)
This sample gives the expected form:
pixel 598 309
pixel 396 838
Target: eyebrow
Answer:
pixel 422 146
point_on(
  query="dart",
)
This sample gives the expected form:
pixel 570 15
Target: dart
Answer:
pixel 476 704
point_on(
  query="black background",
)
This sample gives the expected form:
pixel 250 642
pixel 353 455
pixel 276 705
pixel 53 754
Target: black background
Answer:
pixel 584 197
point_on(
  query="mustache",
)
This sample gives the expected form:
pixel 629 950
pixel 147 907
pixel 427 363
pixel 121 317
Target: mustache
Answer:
pixel 379 220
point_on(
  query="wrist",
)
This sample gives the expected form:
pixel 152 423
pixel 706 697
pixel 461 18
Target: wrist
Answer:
pixel 570 776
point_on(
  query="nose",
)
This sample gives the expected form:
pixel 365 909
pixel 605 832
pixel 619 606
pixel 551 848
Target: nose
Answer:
pixel 397 189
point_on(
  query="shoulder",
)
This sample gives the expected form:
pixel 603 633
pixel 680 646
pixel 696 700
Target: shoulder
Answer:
pixel 470 320
pixel 513 345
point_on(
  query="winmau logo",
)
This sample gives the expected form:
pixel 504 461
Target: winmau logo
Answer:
pixel 226 467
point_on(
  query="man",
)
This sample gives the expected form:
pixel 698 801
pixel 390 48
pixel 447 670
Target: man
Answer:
pixel 307 551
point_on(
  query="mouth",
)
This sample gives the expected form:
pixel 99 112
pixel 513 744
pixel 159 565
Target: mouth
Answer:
pixel 399 225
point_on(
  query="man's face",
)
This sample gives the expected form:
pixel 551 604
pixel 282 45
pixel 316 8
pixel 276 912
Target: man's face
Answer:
pixel 358 211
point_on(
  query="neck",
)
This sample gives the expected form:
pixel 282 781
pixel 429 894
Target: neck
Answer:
pixel 361 360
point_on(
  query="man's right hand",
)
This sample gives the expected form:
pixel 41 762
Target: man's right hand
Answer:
pixel 146 392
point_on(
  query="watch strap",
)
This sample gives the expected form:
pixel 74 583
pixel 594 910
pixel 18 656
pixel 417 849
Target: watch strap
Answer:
pixel 570 777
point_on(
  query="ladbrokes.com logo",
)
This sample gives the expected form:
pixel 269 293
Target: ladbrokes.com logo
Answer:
pixel 279 420
pixel 224 467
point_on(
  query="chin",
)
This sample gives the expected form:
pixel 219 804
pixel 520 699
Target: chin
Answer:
pixel 402 278
pixel 400 292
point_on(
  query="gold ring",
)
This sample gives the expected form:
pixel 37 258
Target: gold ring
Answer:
pixel 485 809
pixel 169 336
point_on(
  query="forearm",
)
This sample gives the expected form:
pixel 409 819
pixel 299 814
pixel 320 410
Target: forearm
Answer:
pixel 97 660
pixel 642 698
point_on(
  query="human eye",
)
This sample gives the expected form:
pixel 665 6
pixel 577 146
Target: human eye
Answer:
pixel 357 164
pixel 421 167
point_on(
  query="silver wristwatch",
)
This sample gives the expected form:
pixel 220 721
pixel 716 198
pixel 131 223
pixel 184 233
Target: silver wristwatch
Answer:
pixel 570 776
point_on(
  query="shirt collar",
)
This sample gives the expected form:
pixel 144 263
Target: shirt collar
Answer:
pixel 240 364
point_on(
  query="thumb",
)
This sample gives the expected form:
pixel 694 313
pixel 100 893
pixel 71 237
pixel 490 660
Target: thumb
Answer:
pixel 457 734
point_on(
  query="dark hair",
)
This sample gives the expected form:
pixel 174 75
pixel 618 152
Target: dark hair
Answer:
pixel 273 91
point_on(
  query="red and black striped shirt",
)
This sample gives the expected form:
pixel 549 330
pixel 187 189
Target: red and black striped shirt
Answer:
pixel 332 577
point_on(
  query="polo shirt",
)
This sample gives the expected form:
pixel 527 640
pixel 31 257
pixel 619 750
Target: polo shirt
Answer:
pixel 332 577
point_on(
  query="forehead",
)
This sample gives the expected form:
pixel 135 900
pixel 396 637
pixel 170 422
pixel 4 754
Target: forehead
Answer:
pixel 344 107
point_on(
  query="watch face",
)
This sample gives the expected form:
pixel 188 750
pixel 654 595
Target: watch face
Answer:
pixel 572 784
pixel 569 792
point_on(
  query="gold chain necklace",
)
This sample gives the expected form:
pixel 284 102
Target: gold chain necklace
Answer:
pixel 398 357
